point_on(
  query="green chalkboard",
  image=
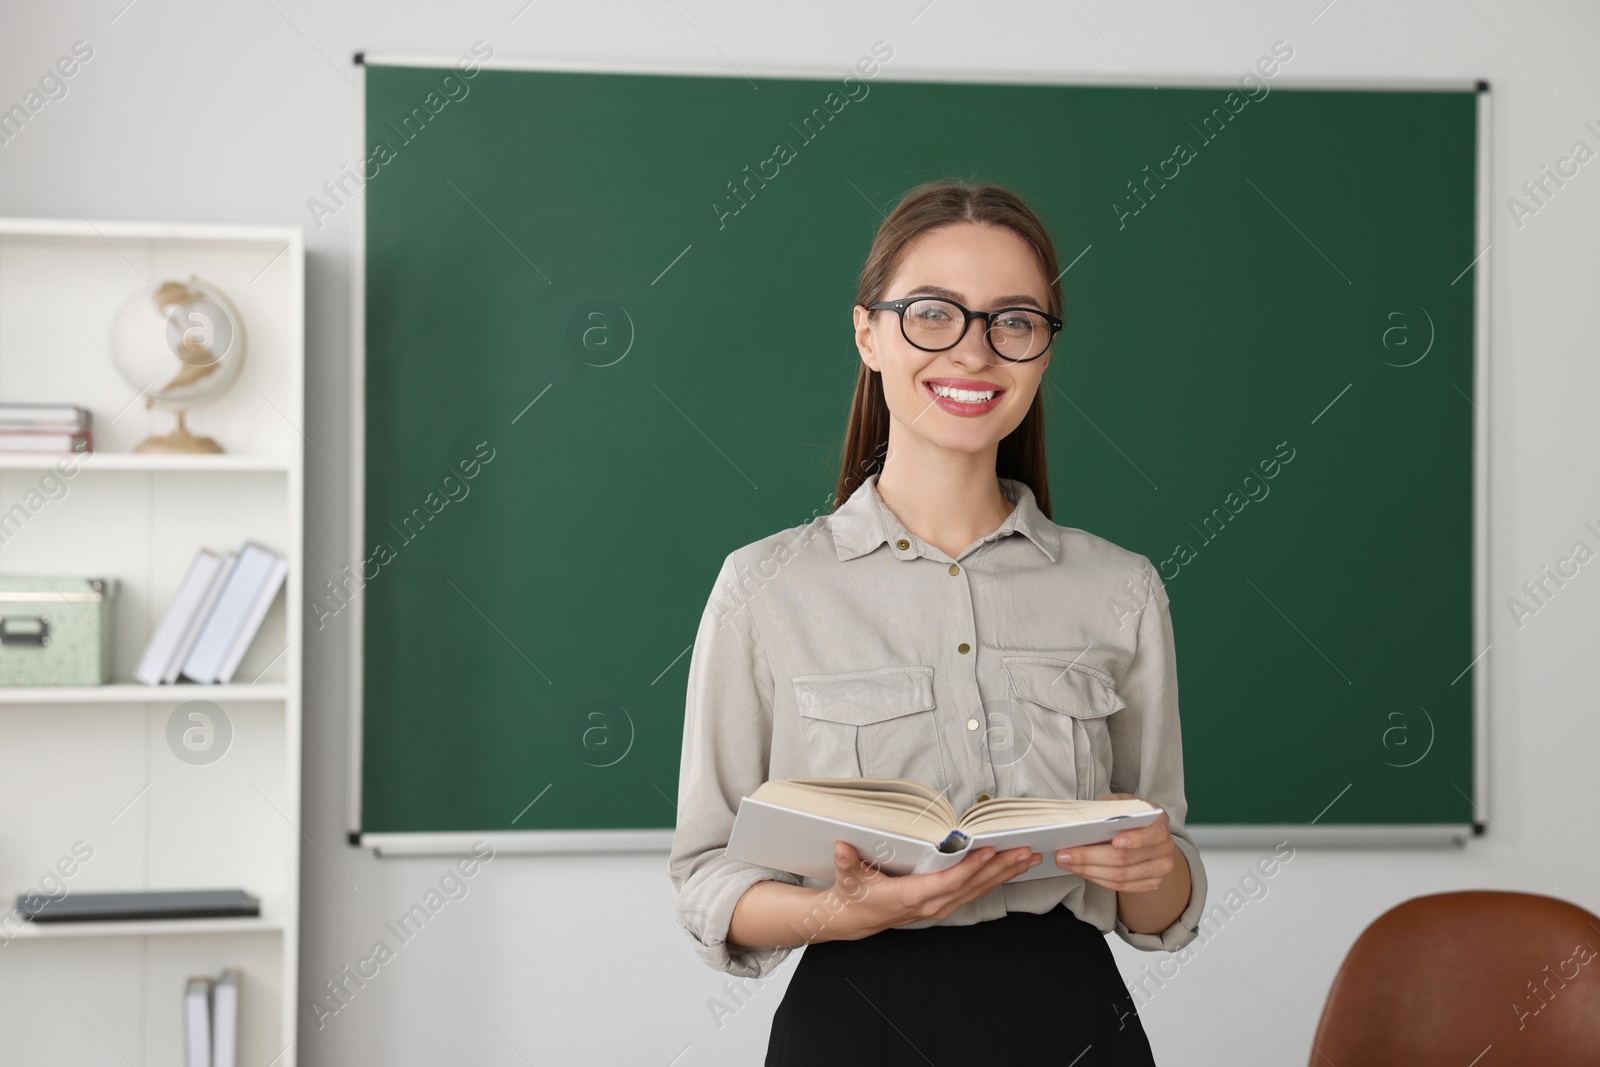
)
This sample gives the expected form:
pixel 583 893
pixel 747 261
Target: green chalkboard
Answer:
pixel 642 369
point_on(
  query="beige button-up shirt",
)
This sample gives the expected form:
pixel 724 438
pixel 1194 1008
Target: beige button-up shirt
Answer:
pixel 1037 662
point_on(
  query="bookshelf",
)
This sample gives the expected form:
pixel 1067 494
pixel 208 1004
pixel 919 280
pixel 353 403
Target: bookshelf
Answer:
pixel 91 767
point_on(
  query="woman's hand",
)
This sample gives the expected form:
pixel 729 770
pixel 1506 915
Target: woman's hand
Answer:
pixel 1134 861
pixel 879 900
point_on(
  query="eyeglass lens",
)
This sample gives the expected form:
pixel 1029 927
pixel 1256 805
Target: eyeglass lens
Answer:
pixel 935 325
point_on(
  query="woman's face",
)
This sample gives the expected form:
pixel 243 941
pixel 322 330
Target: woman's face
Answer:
pixel 982 268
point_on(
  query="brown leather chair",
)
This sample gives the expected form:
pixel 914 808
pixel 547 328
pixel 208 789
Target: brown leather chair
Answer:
pixel 1479 978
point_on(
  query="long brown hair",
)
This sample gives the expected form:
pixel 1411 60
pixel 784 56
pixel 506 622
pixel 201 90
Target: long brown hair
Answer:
pixel 933 204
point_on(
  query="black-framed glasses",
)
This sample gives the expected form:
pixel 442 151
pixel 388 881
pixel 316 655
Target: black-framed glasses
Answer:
pixel 935 324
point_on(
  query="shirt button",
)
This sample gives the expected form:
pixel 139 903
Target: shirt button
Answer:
pixel 972 724
pixel 963 648
pixel 902 544
pixel 983 796
pixel 954 569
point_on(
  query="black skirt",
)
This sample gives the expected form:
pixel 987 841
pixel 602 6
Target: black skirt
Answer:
pixel 1024 988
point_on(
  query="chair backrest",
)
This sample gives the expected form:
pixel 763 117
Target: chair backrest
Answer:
pixel 1440 979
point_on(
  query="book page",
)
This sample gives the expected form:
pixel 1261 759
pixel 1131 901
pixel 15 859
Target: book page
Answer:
pixel 1015 813
pixel 893 805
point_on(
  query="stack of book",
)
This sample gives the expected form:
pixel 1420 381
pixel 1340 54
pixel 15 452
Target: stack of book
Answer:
pixel 45 428
pixel 213 617
pixel 211 1020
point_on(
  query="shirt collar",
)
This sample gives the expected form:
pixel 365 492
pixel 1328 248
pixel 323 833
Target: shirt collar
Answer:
pixel 864 522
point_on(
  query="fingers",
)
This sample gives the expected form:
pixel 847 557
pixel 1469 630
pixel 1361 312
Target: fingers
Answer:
pixel 1134 846
pixel 938 893
pixel 1002 868
pixel 1125 876
pixel 991 873
pixel 849 865
pixel 945 884
pixel 1124 879
pixel 1111 855
pixel 976 875
pixel 1138 866
pixel 1142 836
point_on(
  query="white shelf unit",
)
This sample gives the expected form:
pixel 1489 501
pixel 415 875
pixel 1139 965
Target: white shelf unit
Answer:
pixel 92 764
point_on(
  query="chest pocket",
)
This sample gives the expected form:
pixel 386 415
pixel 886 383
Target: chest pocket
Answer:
pixel 1069 706
pixel 872 723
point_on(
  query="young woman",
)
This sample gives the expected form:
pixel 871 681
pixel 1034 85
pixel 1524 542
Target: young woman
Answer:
pixel 938 625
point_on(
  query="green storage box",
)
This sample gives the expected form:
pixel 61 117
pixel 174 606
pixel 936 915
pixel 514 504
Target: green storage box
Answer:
pixel 55 631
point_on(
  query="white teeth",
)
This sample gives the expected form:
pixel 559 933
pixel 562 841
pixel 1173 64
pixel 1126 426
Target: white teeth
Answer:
pixel 965 396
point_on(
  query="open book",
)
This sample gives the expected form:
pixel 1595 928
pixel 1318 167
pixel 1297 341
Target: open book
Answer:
pixel 905 827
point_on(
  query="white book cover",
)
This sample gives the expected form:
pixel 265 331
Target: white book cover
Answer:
pixel 32 441
pixel 252 569
pixel 197 1023
pixel 197 621
pixel 162 647
pixel 802 843
pixel 225 1020
pixel 28 414
pixel 252 622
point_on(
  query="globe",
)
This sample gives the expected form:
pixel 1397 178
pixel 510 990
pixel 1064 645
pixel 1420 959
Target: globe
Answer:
pixel 180 344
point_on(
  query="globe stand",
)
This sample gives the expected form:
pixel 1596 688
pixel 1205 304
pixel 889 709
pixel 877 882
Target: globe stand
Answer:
pixel 179 441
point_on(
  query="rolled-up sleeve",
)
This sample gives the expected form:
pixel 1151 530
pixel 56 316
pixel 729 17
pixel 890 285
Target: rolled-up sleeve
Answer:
pixel 727 735
pixel 1147 750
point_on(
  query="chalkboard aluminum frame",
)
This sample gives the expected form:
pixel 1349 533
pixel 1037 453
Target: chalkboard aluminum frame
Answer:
pixel 1254 835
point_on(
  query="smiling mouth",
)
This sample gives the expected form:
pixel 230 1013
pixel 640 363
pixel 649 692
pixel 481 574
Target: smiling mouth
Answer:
pixel 965 396
pixel 964 401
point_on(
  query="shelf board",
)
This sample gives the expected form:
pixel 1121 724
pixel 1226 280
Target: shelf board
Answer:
pixel 269 921
pixel 99 230
pixel 136 693
pixel 143 461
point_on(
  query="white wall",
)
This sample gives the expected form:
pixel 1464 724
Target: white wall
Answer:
pixel 238 113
